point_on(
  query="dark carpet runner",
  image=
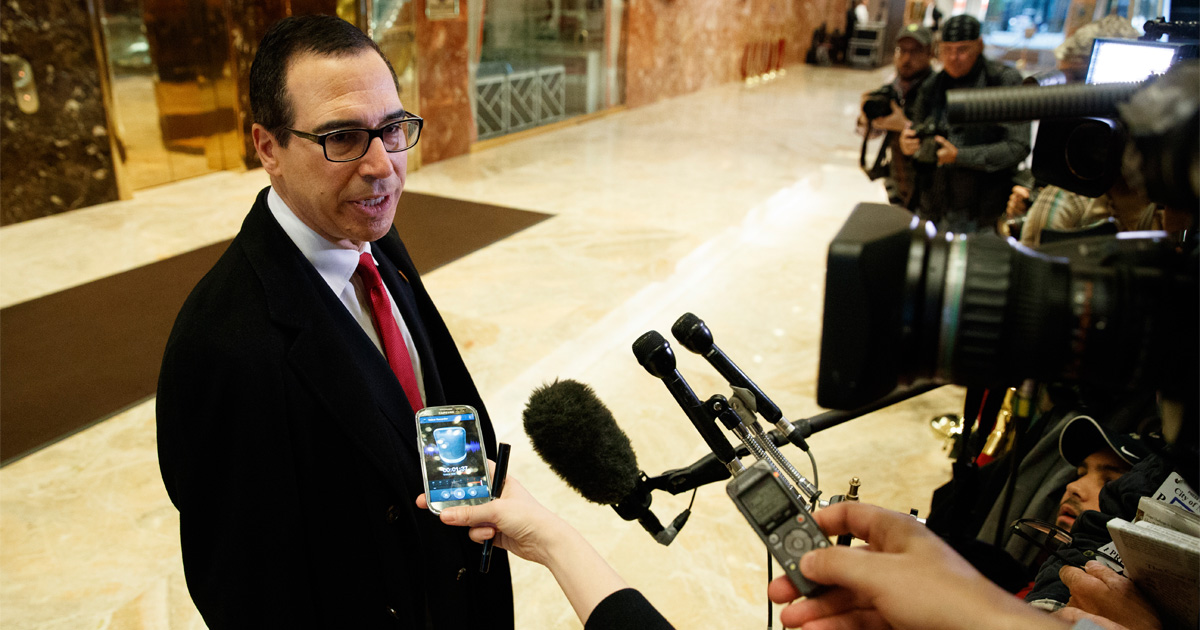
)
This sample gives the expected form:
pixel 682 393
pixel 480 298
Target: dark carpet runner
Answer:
pixel 73 358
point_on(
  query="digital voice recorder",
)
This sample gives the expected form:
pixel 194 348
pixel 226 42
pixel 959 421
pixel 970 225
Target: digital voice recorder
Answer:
pixel 781 520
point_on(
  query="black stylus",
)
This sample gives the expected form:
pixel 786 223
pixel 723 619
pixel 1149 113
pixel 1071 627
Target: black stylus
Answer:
pixel 502 449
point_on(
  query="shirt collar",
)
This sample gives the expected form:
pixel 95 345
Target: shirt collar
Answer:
pixel 335 264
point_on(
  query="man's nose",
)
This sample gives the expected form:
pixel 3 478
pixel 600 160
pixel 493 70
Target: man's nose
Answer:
pixel 377 162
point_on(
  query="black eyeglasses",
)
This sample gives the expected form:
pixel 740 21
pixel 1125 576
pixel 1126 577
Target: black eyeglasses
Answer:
pixel 1046 536
pixel 347 145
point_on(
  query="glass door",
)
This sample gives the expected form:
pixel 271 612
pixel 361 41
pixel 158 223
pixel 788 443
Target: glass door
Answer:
pixel 541 61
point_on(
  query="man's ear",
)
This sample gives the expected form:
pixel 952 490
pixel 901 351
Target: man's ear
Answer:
pixel 266 145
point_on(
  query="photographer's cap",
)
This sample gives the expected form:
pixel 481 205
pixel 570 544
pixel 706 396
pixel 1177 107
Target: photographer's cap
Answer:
pixel 917 33
pixel 960 28
pixel 1083 436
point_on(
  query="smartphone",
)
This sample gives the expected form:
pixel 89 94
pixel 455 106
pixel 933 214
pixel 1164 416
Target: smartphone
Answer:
pixel 453 460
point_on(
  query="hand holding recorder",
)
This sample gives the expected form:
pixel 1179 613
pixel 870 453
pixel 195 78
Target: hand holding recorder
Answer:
pixel 905 577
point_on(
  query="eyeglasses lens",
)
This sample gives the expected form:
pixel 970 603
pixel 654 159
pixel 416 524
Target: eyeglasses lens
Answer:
pixel 1051 537
pixel 354 143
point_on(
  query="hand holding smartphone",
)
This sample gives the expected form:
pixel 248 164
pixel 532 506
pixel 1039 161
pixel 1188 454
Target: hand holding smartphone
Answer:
pixel 454 461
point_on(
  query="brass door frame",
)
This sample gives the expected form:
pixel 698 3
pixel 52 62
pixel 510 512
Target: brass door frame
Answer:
pixel 124 191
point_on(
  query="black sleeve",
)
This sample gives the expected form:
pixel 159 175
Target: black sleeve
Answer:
pixel 1011 147
pixel 626 609
pixel 225 463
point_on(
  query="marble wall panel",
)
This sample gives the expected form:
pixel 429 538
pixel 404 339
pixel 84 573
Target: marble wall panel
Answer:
pixel 443 85
pixel 57 158
pixel 676 47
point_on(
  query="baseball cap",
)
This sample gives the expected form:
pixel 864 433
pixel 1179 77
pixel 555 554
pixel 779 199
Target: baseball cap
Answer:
pixel 960 28
pixel 916 32
pixel 1083 436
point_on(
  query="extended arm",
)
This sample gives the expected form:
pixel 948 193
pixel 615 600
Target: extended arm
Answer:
pixel 524 527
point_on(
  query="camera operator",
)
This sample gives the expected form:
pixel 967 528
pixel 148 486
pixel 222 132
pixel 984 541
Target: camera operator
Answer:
pixel 889 109
pixel 1059 210
pixel 964 172
pixel 1063 210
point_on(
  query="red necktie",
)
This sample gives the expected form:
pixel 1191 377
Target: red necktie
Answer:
pixel 389 332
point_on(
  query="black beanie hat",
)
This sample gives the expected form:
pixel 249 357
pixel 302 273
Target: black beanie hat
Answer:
pixel 960 28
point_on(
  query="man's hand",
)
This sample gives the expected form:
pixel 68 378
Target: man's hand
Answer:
pixel 1018 202
pixel 895 121
pixel 909 142
pixel 1071 614
pixel 905 577
pixel 947 153
pixel 1099 590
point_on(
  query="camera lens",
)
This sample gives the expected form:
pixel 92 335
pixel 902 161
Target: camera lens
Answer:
pixel 907 305
pixel 982 304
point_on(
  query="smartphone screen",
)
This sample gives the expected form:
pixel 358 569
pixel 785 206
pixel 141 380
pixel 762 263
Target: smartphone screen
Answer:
pixel 453 457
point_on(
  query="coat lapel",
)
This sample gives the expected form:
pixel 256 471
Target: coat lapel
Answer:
pixel 343 371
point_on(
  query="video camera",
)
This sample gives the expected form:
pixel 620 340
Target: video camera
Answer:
pixel 906 304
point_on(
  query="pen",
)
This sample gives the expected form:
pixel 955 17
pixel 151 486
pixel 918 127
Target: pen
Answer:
pixel 502 449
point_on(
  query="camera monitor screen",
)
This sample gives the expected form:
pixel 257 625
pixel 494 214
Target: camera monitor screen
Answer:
pixel 1129 60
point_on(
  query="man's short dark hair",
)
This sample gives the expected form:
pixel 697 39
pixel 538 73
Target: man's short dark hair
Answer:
pixel 286 39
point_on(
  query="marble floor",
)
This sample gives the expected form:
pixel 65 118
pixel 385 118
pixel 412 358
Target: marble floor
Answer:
pixel 721 203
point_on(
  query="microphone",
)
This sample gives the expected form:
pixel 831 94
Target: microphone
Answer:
pixel 654 353
pixel 693 334
pixel 576 435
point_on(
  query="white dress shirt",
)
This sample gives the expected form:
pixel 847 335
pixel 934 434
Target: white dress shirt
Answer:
pixel 337 266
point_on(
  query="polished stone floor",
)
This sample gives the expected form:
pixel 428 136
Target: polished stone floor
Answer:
pixel 721 203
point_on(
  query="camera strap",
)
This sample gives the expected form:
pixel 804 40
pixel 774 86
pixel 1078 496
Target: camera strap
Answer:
pixel 880 169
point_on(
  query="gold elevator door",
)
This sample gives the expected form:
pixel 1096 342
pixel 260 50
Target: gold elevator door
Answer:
pixel 174 95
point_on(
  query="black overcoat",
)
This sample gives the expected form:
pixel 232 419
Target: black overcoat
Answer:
pixel 290 451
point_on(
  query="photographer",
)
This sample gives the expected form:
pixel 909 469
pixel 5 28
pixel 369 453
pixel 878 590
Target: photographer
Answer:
pixel 964 172
pixel 889 109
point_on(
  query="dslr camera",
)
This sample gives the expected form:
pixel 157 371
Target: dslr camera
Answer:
pixel 879 102
pixel 925 131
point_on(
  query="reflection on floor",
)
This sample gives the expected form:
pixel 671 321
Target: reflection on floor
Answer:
pixel 721 203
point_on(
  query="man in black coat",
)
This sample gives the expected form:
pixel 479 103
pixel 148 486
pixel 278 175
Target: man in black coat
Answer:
pixel 966 175
pixel 286 438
